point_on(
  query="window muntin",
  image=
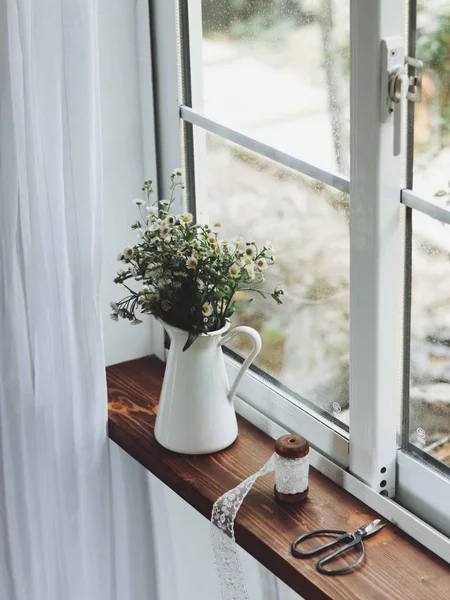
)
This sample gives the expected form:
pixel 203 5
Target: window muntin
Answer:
pixel 279 72
pixel 306 340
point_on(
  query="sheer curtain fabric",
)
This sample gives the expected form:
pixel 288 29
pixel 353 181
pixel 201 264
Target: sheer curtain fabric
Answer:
pixel 54 479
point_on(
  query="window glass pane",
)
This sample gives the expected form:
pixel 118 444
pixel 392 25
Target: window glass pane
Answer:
pixel 306 340
pixel 432 114
pixel 278 71
pixel 430 338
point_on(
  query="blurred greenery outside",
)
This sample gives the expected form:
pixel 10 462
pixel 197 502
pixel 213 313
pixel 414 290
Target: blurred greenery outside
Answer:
pixel 265 27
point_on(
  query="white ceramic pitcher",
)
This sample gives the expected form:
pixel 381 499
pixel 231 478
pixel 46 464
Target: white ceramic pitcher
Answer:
pixel 196 411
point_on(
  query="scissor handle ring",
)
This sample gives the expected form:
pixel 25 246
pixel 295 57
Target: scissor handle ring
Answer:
pixel 311 534
pixel 341 570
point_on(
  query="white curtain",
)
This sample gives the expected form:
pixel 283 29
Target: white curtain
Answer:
pixel 55 513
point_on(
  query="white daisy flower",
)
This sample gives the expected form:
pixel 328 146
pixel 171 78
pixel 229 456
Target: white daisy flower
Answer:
pixel 200 284
pixel 186 218
pixel 212 238
pixel 248 261
pixel 177 172
pixel 138 201
pixel 269 245
pixel 234 270
pixel 207 309
pixel 152 210
pixel 236 241
pixel 261 263
pixel 170 220
pixel 251 271
pixel 217 225
pixel 191 262
pixel 250 251
pixel 128 252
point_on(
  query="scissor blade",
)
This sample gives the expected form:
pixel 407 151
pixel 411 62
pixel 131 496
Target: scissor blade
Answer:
pixel 371 527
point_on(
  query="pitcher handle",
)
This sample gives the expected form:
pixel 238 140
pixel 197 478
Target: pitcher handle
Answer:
pixel 256 339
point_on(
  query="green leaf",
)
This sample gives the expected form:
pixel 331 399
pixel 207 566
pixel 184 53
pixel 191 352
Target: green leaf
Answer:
pixel 240 306
pixel 191 339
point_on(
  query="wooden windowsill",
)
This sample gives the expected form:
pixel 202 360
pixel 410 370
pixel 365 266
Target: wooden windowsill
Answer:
pixel 396 567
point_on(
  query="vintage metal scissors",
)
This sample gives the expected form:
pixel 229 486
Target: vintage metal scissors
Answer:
pixel 354 539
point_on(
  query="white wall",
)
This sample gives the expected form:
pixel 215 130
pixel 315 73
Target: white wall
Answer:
pixel 128 155
pixel 165 543
pixel 192 565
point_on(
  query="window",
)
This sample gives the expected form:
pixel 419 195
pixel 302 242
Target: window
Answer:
pixel 306 340
pixel 287 134
pixel 429 396
pixel 429 389
pixel 289 62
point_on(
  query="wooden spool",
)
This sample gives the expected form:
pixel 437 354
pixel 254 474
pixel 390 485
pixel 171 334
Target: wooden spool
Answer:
pixel 291 446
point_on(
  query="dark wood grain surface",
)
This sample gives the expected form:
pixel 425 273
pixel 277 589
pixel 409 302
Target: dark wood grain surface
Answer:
pixel 396 567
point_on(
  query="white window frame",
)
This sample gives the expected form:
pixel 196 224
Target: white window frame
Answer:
pixel 376 225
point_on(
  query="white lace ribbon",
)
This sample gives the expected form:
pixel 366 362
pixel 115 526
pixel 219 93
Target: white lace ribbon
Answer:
pixel 291 476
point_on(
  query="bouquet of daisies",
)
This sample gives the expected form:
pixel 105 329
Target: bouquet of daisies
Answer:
pixel 188 275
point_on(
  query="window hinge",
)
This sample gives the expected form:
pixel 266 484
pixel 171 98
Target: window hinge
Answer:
pixel 401 80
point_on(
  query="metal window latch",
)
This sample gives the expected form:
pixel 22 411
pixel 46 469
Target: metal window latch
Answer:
pixel 415 79
pixel 398 84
